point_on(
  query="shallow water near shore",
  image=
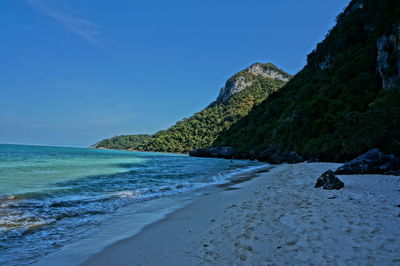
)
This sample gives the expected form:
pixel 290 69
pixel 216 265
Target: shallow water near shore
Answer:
pixel 53 196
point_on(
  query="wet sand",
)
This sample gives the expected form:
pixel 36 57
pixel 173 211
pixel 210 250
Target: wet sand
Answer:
pixel 275 217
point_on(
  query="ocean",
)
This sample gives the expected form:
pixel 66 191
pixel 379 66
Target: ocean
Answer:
pixel 54 196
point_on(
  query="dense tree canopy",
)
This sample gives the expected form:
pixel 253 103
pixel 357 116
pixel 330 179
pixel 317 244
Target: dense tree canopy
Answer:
pixel 336 107
pixel 125 142
pixel 204 127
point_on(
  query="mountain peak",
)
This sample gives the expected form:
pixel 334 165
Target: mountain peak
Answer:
pixel 268 70
pixel 243 80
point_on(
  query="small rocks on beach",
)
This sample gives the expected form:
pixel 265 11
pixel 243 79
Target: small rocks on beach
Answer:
pixel 271 156
pixel 226 152
pixel 329 181
pixel 371 162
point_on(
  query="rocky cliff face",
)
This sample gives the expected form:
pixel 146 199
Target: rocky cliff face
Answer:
pixel 233 86
pixel 388 61
pixel 244 79
pixel 344 102
pixel 268 71
pixel 353 6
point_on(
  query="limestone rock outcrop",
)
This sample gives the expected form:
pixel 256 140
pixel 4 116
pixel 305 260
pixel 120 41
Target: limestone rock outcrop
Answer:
pixel 244 79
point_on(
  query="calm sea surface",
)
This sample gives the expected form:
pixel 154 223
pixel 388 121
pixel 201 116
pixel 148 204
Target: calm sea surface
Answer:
pixel 51 196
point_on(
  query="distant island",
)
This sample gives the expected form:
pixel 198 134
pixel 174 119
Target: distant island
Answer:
pixel 344 102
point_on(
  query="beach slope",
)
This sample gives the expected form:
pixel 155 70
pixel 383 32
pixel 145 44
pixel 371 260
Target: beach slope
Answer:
pixel 277 218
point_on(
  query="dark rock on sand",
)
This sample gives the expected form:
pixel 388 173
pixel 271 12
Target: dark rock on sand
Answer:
pixel 329 181
pixel 394 172
pixel 372 162
pixel 313 160
pixel 226 152
pixel 271 156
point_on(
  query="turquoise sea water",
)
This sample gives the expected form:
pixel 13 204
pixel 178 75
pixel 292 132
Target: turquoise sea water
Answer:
pixel 51 196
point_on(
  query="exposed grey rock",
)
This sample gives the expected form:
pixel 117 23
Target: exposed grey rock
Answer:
pixel 215 152
pixel 329 181
pixel 389 51
pixel 357 5
pixel 326 62
pixel 238 82
pixel 259 70
pixel 233 86
pixel 354 6
pixel 372 162
pixel 271 156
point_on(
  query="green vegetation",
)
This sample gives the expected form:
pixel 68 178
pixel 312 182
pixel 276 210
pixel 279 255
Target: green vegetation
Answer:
pixel 335 108
pixel 204 127
pixel 125 142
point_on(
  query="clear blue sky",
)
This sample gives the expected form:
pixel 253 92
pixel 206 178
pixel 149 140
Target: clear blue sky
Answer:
pixel 74 72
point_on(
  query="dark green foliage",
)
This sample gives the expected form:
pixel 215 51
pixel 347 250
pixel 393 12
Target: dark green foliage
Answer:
pixel 204 127
pixel 335 108
pixel 125 142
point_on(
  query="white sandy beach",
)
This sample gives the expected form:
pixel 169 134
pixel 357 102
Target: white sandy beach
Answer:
pixel 276 218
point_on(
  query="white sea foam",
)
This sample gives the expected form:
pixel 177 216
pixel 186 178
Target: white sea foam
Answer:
pixel 62 193
pixel 128 194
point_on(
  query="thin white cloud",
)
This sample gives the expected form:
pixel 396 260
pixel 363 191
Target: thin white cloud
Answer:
pixel 80 26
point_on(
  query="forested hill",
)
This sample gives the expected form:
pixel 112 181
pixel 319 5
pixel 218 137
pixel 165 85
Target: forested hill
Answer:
pixel 344 102
pixel 240 94
pixel 123 142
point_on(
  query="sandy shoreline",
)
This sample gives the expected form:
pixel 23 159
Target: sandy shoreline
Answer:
pixel 276 218
pixel 129 220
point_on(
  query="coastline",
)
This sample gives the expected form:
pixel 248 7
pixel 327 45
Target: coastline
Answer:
pixel 161 152
pixel 132 219
pixel 276 218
